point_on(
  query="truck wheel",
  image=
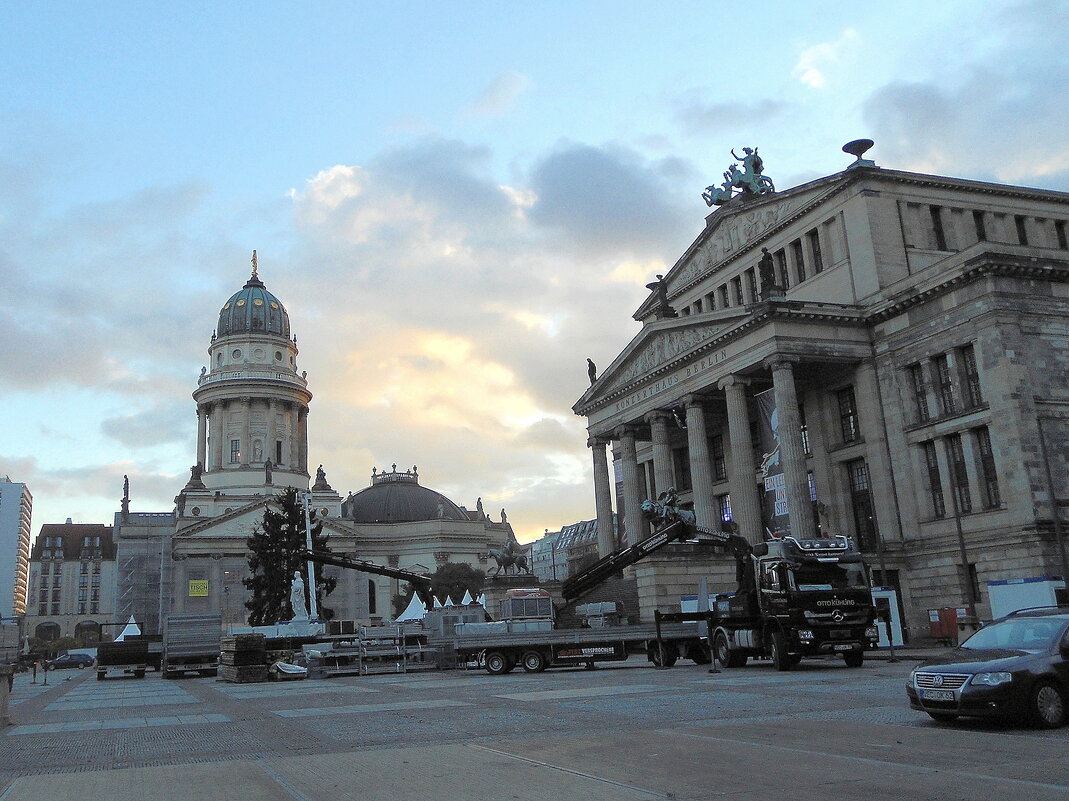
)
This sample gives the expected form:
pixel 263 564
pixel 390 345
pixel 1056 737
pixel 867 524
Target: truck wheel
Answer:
pixel 670 656
pixel 725 654
pixel 139 674
pixel 854 659
pixel 534 662
pixel 699 654
pixel 781 658
pixel 496 663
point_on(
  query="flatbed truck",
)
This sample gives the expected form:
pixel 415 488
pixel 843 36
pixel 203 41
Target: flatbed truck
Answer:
pixel 191 644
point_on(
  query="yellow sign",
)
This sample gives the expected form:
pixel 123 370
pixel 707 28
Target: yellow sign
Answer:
pixel 198 588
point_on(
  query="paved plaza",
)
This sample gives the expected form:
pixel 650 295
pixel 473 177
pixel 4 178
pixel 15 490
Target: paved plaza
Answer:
pixel 822 731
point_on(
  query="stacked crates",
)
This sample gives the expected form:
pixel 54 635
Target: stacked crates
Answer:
pixel 244 658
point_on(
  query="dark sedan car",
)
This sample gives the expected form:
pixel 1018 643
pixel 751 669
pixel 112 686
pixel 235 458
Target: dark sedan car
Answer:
pixel 70 661
pixel 1016 667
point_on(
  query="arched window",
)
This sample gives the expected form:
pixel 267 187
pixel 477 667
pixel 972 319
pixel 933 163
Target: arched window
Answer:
pixel 48 632
pixel 372 599
pixel 87 631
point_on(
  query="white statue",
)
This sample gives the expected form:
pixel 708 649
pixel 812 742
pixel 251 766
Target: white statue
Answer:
pixel 297 602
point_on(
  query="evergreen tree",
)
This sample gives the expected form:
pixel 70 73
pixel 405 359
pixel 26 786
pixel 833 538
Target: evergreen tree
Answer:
pixel 274 553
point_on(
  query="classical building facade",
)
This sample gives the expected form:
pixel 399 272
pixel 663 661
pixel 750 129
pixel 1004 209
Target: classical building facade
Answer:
pixel 252 442
pixel 16 508
pixel 910 332
pixel 71 582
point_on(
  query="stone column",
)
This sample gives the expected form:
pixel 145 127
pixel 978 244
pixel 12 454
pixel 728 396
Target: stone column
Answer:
pixel 295 440
pixel 272 432
pixel 792 452
pixel 302 428
pixel 202 432
pixel 745 509
pixel 602 496
pixel 701 468
pixel 246 433
pixel 663 475
pixel 634 525
pixel 218 434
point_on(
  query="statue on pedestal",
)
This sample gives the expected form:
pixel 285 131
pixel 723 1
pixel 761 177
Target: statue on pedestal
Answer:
pixel 297 602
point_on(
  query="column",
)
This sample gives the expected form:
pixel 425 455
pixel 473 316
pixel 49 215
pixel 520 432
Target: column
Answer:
pixel 295 440
pixel 701 468
pixel 634 525
pixel 602 496
pixel 663 475
pixel 792 452
pixel 218 434
pixel 246 435
pixel 202 432
pixel 745 509
pixel 302 428
pixel 272 432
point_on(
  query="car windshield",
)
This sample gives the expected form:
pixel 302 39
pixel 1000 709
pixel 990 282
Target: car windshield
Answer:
pixel 1016 634
pixel 829 576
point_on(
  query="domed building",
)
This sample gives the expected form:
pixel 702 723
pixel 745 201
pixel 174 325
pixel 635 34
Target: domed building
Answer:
pixel 252 442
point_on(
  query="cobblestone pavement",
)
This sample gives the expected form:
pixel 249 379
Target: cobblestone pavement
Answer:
pixel 627 731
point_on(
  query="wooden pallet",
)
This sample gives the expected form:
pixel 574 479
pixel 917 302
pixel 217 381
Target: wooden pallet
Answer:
pixel 244 674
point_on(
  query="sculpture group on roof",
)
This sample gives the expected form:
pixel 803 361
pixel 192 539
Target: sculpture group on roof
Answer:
pixel 749 180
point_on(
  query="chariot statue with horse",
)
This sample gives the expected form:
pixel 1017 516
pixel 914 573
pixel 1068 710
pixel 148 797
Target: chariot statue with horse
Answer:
pixel 749 179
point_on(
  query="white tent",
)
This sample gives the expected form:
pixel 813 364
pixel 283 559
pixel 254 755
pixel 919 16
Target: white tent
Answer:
pixel 437 603
pixel 131 629
pixel 481 600
pixel 467 601
pixel 416 610
pixel 448 601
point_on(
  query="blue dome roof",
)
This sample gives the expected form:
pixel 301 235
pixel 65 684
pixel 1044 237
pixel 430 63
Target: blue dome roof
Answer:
pixel 253 310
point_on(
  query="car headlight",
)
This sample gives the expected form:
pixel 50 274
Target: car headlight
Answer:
pixel 805 634
pixel 992 679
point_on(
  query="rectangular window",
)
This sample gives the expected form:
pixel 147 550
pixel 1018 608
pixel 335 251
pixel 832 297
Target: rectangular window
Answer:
pixel 96 581
pixel 970 377
pixel 806 448
pixel 799 260
pixel 681 468
pixel 944 382
pixel 94 609
pixel 85 568
pixel 81 609
pixel 920 392
pixel 935 483
pixel 55 609
pixel 83 581
pixel 42 610
pixel 1059 231
pixel 751 285
pixel 736 286
pixel 83 594
pixel 710 301
pixel 814 248
pixel 959 477
pixel 720 465
pixel 1022 232
pixel 981 228
pixel 861 504
pixel 988 475
pixel 55 596
pixel 96 569
pixel 847 414
pixel 698 306
pixel 938 234
pixel 235 451
pixel 723 296
pixel 43 598
pixel 278 452
pixel 781 268
pixel 723 503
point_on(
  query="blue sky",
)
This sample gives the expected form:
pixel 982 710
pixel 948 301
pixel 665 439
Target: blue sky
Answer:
pixel 457 202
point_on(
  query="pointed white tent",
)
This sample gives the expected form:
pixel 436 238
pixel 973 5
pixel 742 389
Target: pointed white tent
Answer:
pixel 416 610
pixel 481 600
pixel 131 629
pixel 467 601
pixel 437 603
pixel 449 601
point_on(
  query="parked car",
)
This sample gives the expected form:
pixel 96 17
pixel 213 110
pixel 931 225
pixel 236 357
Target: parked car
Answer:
pixel 70 661
pixel 1016 667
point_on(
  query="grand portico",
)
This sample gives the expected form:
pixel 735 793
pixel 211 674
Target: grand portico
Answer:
pixel 896 319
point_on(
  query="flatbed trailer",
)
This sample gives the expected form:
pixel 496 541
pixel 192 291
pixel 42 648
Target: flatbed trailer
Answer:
pixel 535 651
pixel 191 644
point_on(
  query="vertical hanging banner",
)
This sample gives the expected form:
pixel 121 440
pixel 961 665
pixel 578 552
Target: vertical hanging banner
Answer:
pixel 774 498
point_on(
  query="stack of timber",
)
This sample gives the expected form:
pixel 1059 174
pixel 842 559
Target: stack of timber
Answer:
pixel 244 658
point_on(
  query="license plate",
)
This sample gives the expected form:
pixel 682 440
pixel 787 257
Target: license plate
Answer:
pixel 844 648
pixel 937 695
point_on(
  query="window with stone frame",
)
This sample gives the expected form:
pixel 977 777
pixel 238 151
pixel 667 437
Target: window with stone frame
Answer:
pixel 939 238
pixel 991 498
pixel 814 250
pixel 235 451
pixel 944 384
pixel 970 377
pixel 736 289
pixel 848 426
pixel 723 505
pixel 81 608
pixel 724 301
pixel 799 259
pixel 980 225
pixel 861 504
pixel 1022 231
pixel 920 392
pixel 935 482
pixel 780 257
pixel 716 452
pixel 751 285
pixel 1059 232
pixel 959 476
pixel 681 468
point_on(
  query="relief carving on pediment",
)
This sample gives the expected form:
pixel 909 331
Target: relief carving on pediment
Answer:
pixel 664 347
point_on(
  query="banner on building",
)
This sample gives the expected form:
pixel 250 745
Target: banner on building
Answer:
pixel 198 588
pixel 774 498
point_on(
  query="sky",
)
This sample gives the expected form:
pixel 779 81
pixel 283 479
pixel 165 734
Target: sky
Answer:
pixel 456 202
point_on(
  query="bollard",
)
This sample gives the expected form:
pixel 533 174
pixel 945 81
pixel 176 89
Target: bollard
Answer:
pixel 7 675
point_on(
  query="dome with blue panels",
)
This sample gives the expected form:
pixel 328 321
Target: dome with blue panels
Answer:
pixel 253 310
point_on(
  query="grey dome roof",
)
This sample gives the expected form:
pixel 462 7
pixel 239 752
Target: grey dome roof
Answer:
pixel 398 498
pixel 253 310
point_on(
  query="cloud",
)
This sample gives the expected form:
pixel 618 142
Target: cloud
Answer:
pixel 151 427
pixel 499 97
pixel 815 61
pixel 698 115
